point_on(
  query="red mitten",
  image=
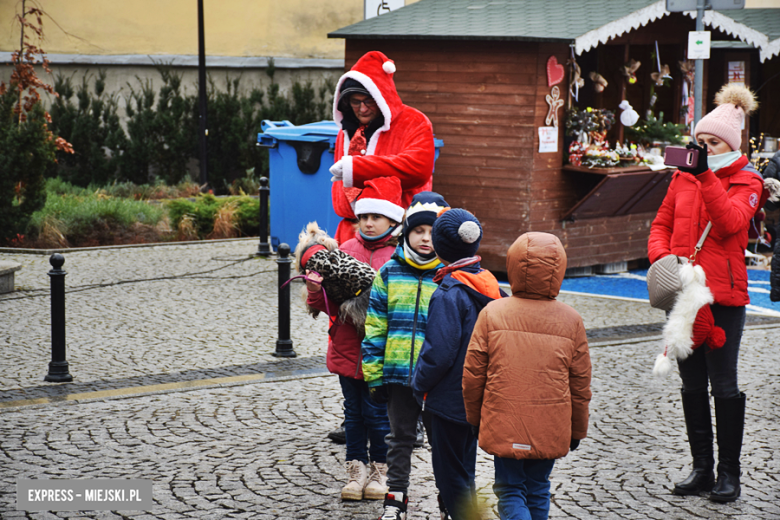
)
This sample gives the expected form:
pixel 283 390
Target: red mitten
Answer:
pixel 705 330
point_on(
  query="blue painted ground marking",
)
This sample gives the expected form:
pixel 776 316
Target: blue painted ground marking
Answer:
pixel 633 285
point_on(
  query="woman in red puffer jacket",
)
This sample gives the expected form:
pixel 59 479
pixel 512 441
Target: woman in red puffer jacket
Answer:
pixel 725 190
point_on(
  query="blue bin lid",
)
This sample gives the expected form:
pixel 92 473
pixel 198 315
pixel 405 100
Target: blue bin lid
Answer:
pixel 312 133
pixel 286 131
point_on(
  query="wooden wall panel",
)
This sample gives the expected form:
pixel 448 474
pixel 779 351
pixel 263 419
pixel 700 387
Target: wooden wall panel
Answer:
pixel 486 101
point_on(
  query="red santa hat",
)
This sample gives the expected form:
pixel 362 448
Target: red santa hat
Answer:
pixel 375 72
pixel 705 330
pixel 381 196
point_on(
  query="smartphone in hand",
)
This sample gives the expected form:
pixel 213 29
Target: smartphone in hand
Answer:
pixel 680 157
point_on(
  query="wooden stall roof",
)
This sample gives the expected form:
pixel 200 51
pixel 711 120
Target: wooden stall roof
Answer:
pixel 583 23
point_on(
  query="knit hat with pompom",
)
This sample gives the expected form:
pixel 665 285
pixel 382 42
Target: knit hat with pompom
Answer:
pixel 705 330
pixel 734 103
pixel 456 235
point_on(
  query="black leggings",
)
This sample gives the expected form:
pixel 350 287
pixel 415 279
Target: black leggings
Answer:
pixel 718 366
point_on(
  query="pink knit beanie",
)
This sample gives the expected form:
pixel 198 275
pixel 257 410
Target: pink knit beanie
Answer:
pixel 734 103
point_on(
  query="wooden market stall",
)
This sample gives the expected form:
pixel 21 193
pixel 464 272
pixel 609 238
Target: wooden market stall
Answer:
pixel 493 77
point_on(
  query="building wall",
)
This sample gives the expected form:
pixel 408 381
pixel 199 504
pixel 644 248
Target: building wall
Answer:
pixel 486 101
pixel 293 28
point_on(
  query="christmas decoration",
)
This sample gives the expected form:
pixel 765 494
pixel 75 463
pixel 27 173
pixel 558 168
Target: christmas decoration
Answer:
pixel 553 99
pixel 663 71
pixel 654 130
pixel 599 83
pixel 688 69
pixel 576 151
pixel 555 71
pixel 589 125
pixel 659 77
pixel 629 70
pixel 628 117
pixel 576 82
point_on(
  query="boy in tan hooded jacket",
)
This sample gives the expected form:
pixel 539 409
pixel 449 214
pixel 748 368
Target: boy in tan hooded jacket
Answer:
pixel 526 379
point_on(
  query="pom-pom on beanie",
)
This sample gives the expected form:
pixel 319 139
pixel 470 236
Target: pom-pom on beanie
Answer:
pixel 734 103
pixel 423 210
pixel 456 235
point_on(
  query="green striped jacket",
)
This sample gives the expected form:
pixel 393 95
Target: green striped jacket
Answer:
pixel 395 324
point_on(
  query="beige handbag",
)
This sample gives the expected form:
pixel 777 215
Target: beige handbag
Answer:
pixel 663 277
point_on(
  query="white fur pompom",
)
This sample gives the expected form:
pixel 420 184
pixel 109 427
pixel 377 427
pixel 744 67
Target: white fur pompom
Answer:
pixel 662 366
pixel 469 232
pixel 388 67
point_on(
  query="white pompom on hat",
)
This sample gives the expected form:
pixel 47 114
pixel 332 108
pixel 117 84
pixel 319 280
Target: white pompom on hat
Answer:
pixel 456 235
pixel 388 66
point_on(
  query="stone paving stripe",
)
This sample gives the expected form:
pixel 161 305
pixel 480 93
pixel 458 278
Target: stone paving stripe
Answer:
pixel 47 390
pixel 169 387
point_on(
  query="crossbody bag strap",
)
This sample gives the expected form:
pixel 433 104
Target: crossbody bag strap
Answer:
pixel 700 243
pixel 703 237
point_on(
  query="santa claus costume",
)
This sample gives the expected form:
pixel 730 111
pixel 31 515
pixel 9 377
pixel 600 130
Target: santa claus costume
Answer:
pixel 397 143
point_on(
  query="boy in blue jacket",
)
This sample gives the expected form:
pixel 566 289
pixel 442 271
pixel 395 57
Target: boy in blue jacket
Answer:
pixel 464 290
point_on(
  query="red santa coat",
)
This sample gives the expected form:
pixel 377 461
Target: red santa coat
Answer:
pixel 402 147
pixel 729 198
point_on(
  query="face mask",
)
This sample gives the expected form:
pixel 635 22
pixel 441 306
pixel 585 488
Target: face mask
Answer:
pixel 716 162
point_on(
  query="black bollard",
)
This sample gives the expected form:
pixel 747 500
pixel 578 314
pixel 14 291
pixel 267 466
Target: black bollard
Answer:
pixel 264 249
pixel 284 345
pixel 58 368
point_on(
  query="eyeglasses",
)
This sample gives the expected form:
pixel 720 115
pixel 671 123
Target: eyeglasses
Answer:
pixel 368 102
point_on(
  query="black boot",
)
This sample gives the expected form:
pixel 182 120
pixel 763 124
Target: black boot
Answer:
pixel 698 422
pixel 730 423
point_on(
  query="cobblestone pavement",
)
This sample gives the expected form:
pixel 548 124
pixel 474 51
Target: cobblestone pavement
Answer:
pixel 256 448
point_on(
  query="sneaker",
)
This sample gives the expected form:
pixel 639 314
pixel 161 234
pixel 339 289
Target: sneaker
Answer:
pixel 395 506
pixel 356 475
pixel 375 486
pixel 339 436
pixel 445 515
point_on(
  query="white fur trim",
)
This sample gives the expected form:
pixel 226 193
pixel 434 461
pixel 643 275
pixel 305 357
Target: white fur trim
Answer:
pixel 347 171
pixel 678 331
pixel 388 67
pixel 380 207
pixel 469 232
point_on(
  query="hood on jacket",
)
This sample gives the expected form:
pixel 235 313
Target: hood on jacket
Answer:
pixel 535 265
pixel 375 72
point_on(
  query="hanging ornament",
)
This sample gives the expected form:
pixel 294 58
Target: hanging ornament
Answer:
pixel 663 71
pixel 576 82
pixel 553 99
pixel 629 70
pixel 688 69
pixel 629 116
pixel 599 83
pixel 659 77
pixel 555 71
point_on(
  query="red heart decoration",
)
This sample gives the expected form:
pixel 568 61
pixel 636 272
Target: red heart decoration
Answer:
pixel 555 71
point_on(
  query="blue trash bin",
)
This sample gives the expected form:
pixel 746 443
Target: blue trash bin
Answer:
pixel 300 187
